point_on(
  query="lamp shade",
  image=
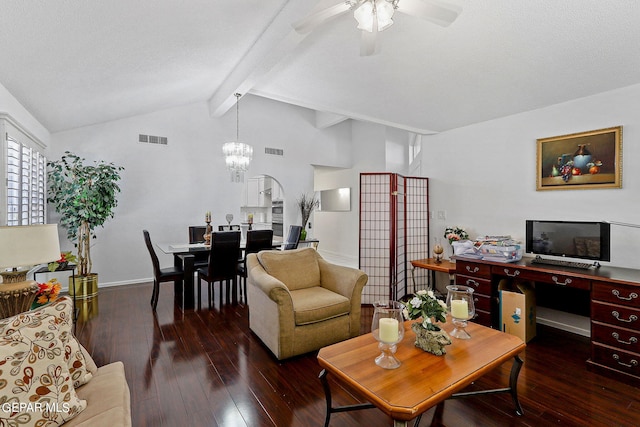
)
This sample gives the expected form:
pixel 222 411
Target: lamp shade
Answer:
pixel 28 245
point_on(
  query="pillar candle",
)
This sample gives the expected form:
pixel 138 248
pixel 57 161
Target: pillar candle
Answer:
pixel 388 330
pixel 460 309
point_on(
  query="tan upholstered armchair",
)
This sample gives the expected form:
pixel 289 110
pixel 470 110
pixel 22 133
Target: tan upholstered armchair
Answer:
pixel 298 302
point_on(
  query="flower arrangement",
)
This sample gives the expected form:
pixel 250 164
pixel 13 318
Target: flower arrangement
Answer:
pixel 307 204
pixel 65 258
pixel 425 305
pixel 455 233
pixel 47 292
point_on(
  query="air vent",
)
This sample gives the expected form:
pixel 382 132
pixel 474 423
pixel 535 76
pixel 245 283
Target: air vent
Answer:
pixel 274 151
pixel 150 139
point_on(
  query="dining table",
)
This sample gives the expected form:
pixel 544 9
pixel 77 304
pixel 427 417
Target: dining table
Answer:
pixel 184 255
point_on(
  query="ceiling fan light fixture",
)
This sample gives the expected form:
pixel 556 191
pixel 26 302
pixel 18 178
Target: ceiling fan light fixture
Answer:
pixel 380 11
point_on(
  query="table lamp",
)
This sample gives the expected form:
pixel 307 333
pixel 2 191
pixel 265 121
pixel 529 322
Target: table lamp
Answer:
pixel 22 247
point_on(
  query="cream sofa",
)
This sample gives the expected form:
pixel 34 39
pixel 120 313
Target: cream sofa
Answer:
pixel 48 378
pixel 298 302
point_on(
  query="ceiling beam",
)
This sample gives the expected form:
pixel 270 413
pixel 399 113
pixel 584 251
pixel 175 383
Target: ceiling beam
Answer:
pixel 276 41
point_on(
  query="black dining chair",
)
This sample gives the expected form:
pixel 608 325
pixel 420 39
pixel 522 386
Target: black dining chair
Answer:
pixel 168 274
pixel 232 227
pixel 293 238
pixel 257 240
pixel 196 235
pixel 223 264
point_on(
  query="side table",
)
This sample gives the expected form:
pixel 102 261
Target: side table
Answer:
pixel 71 289
pixel 444 266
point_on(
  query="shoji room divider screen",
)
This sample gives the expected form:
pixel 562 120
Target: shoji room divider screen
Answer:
pixel 394 229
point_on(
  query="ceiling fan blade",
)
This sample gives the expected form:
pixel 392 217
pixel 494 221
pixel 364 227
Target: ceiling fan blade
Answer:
pixel 307 24
pixel 369 41
pixel 434 11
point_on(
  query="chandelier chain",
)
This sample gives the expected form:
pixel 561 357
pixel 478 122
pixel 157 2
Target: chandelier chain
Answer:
pixel 237 95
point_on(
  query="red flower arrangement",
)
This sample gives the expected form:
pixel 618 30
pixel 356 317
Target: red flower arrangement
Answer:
pixel 47 292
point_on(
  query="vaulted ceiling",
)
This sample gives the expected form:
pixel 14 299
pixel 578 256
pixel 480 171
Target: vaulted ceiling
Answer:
pixel 74 63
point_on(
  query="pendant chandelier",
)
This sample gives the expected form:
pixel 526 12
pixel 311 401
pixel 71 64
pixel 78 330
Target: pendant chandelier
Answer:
pixel 237 154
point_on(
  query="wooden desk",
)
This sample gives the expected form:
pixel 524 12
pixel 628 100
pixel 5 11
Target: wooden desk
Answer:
pixel 444 266
pixel 423 380
pixel 612 295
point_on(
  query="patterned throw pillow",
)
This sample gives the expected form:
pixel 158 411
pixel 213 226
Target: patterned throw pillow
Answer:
pixel 79 368
pixel 36 383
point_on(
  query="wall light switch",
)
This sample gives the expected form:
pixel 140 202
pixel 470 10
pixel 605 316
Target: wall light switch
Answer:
pixel 442 215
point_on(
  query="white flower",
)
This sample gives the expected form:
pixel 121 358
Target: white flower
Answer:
pixel 405 313
pixel 415 302
pixel 422 292
pixel 431 294
pixel 442 304
pixel 426 322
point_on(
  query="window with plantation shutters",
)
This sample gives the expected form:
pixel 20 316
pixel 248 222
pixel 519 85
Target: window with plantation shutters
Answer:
pixel 25 192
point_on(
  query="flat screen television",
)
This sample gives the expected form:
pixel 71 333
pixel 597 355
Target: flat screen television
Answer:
pixel 573 239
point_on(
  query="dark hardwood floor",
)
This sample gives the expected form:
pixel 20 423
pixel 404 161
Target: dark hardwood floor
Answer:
pixel 206 368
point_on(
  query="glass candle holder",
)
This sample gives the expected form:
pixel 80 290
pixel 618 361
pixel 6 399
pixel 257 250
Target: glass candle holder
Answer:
pixel 387 328
pixel 461 308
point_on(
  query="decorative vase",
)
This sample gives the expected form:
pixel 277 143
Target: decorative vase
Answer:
pixel 433 342
pixel 438 250
pixel 303 234
pixel 581 157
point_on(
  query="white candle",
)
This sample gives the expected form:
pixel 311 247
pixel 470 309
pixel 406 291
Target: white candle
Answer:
pixel 388 330
pixel 459 309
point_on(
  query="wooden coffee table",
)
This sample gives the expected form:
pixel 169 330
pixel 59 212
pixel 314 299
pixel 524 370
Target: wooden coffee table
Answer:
pixel 423 380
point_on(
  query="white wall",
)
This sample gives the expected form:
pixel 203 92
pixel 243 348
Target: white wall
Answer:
pixel 10 105
pixel 376 148
pixel 167 188
pixel 484 175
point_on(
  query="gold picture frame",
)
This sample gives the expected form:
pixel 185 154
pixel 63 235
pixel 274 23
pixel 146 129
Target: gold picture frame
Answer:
pixel 585 160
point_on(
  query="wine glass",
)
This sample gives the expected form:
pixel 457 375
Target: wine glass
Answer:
pixel 387 328
pixel 229 218
pixel 460 306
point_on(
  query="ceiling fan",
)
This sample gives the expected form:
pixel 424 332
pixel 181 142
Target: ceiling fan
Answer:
pixel 374 16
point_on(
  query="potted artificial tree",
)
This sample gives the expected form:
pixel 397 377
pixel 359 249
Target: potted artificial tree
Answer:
pixel 84 196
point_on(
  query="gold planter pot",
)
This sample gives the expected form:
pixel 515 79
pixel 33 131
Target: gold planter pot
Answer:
pixel 86 295
pixel 84 287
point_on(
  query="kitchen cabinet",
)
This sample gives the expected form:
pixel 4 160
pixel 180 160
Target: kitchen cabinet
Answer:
pixel 256 194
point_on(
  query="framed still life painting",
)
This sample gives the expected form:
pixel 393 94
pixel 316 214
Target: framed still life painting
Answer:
pixel 580 161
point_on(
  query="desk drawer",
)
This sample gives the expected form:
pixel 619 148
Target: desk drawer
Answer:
pixel 622 338
pixel 540 276
pixel 473 269
pixel 616 294
pixel 615 358
pixel 616 315
pixel 482 302
pixel 480 286
pixel 483 318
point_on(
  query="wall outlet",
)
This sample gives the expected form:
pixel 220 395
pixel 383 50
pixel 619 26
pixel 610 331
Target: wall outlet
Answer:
pixel 442 215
